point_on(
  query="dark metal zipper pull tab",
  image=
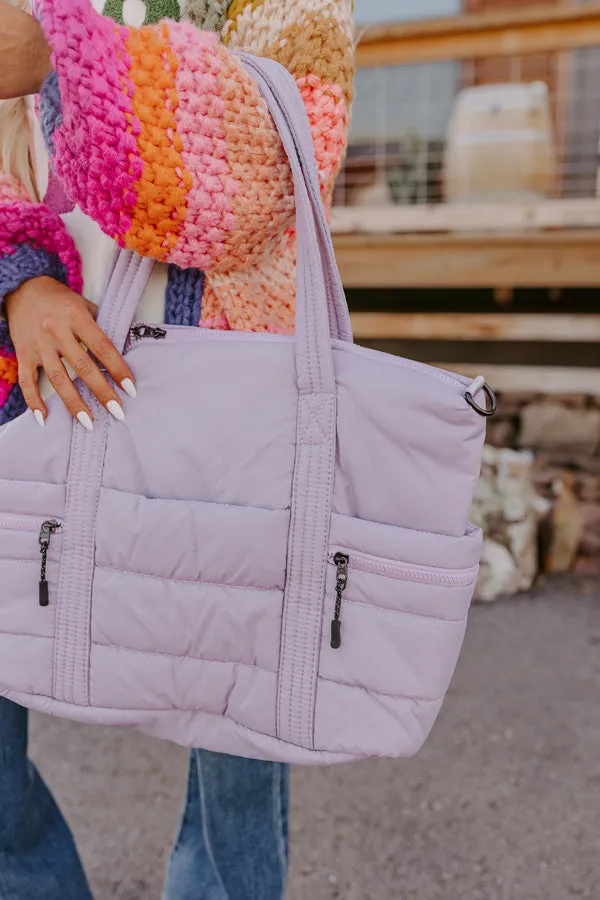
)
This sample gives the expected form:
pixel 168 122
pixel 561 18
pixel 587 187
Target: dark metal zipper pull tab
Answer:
pixel 149 331
pixel 341 561
pixel 46 531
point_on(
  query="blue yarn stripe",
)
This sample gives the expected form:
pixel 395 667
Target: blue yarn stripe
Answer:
pixel 5 340
pixel 15 406
pixel 184 296
pixel 50 113
pixel 25 263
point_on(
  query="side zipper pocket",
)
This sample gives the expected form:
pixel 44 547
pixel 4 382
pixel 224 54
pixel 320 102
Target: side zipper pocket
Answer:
pixel 45 529
pixel 345 562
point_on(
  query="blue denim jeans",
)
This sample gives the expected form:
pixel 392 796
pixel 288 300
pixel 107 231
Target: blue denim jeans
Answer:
pixel 232 844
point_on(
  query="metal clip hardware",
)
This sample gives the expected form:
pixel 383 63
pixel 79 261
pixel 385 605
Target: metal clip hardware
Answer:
pixel 479 384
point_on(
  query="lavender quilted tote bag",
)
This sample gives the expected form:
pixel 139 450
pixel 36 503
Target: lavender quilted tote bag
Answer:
pixel 271 557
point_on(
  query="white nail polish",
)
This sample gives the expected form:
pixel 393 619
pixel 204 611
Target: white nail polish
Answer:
pixel 84 419
pixel 129 387
pixel 116 410
pixel 39 417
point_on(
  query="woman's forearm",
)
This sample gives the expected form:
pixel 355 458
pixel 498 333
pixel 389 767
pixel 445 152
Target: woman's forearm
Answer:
pixel 24 53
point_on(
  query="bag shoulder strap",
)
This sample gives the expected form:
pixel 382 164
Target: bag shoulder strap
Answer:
pixel 321 313
pixel 289 114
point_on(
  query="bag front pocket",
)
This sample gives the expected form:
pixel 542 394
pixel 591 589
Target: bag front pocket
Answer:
pixel 348 561
pixel 30 551
pixel 29 539
pixel 395 625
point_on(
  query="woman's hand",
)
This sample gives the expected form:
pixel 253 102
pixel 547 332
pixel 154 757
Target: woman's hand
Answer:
pixel 48 322
pixel 24 53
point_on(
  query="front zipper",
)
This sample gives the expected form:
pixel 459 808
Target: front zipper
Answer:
pixel 142 331
pixel 180 333
pixel 341 561
pixel 49 527
pixel 388 569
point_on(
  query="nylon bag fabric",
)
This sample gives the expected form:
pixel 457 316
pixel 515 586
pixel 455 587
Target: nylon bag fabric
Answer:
pixel 271 557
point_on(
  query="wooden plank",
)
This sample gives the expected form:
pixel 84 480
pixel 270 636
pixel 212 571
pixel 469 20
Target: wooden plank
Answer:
pixel 542 379
pixel 475 327
pixel 509 32
pixel 524 215
pixel 532 259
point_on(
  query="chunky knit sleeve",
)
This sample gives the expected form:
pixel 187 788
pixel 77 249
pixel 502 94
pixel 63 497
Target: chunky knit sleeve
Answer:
pixel 33 242
pixel 10 395
pixel 159 134
pixel 11 398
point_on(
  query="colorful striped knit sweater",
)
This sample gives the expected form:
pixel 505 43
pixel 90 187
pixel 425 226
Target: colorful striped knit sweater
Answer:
pixel 159 135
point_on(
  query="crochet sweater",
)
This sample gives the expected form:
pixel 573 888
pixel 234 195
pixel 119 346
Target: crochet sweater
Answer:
pixel 161 137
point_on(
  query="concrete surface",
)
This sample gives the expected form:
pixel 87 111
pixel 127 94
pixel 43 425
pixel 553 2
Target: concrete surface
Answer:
pixel 502 804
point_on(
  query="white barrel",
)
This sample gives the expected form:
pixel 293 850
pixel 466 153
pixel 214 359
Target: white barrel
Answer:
pixel 500 144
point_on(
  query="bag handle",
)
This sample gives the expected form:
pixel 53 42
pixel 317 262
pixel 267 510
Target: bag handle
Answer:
pixel 321 308
pixel 321 312
pixel 288 111
pixel 126 280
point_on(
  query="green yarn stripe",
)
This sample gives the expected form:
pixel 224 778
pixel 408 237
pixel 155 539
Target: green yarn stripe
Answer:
pixel 155 10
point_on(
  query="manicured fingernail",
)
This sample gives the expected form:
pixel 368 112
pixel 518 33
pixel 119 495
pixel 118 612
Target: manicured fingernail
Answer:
pixel 116 410
pixel 129 387
pixel 39 417
pixel 84 419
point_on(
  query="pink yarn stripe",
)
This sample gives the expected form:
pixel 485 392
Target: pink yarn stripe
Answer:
pixel 199 117
pixel 328 117
pixel 33 224
pixel 5 390
pixel 96 154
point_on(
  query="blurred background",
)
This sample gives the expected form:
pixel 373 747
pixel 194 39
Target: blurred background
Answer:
pixel 467 227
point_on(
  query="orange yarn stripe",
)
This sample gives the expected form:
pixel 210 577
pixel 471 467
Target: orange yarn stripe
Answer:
pixel 8 370
pixel 162 189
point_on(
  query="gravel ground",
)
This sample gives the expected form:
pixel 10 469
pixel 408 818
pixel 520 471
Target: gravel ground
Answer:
pixel 503 803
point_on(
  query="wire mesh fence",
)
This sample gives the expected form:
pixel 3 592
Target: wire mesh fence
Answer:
pixel 404 133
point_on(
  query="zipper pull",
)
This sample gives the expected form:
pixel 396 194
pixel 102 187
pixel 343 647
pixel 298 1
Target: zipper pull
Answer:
pixel 46 531
pixel 341 561
pixel 148 331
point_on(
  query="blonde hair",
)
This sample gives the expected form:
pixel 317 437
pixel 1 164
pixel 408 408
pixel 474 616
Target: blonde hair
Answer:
pixel 15 154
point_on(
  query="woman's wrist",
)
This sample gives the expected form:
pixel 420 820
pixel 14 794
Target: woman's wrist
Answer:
pixel 27 290
pixel 22 271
